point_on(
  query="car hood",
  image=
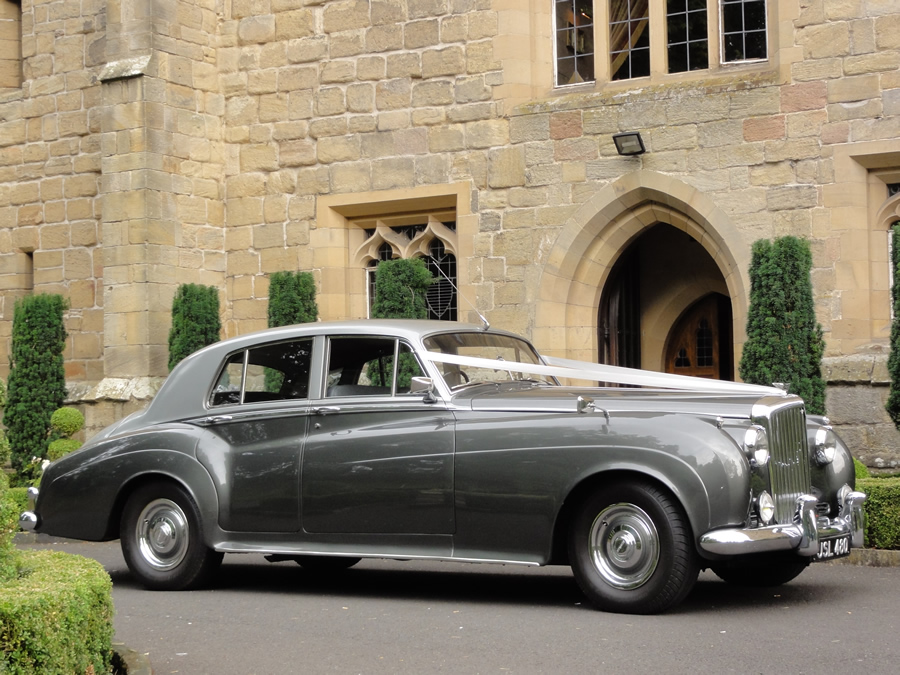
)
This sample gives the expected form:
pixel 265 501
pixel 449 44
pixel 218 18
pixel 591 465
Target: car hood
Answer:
pixel 526 397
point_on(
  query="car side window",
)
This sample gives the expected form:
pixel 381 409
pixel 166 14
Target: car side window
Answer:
pixel 364 366
pixel 274 372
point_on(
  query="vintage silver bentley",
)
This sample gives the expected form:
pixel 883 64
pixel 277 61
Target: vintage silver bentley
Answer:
pixel 326 443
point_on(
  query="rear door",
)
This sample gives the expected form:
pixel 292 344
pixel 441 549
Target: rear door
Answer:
pixel 259 411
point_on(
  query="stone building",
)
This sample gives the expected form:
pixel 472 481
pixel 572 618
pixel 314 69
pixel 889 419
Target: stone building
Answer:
pixel 144 144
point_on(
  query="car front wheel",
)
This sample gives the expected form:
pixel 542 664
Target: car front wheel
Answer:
pixel 631 550
pixel 161 542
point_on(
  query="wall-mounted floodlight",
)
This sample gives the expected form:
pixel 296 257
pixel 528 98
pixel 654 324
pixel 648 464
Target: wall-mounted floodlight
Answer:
pixel 629 143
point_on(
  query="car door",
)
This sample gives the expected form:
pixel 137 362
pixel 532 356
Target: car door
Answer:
pixel 259 414
pixel 378 459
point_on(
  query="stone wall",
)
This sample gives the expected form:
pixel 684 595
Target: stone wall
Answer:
pixel 156 143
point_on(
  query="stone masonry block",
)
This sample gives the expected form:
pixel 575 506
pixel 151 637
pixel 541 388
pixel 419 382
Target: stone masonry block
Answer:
pixel 803 96
pixel 506 167
pixel 442 62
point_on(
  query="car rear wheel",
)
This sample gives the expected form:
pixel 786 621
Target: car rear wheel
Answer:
pixel 631 550
pixel 760 574
pixel 161 542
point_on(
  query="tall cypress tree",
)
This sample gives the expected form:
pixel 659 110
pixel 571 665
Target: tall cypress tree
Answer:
pixel 784 340
pixel 195 321
pixel 893 403
pixel 37 376
pixel 292 299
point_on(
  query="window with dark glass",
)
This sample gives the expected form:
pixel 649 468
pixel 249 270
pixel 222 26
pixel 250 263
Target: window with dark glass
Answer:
pixel 629 39
pixel 743 30
pixel 574 41
pixel 686 35
pixel 273 372
pixel 704 345
pixel 441 298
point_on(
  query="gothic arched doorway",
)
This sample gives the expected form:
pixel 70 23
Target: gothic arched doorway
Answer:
pixel 664 306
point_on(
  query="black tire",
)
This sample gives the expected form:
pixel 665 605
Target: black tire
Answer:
pixel 325 563
pixel 631 550
pixel 761 574
pixel 161 540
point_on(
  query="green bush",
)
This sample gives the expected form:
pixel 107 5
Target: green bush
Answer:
pixel 56 616
pixel 55 609
pixel 9 523
pixel 66 421
pixel 784 340
pixel 882 511
pixel 861 470
pixel 892 405
pixel 292 299
pixel 62 447
pixel 400 293
pixel 37 381
pixel 195 321
pixel 400 288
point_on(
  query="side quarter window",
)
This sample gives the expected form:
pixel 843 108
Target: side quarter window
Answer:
pixel 274 372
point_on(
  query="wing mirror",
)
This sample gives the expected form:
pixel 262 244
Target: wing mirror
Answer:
pixel 425 386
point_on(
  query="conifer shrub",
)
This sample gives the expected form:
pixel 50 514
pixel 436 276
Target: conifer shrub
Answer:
pixel 892 405
pixel 784 340
pixel 37 379
pixel 400 288
pixel 292 299
pixel 400 293
pixel 63 424
pixel 195 321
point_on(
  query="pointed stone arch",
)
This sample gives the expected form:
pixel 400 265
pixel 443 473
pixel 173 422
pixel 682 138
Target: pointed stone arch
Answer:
pixel 580 261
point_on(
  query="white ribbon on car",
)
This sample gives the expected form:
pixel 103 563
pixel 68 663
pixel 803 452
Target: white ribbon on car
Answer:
pixel 583 370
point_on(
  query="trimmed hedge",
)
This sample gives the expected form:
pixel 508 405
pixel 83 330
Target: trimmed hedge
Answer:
pixel 882 511
pixel 56 617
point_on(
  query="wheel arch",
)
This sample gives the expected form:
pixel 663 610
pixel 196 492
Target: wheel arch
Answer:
pixel 191 477
pixel 690 495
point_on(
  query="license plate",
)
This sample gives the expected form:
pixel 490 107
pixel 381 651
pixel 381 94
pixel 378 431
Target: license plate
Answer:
pixel 836 547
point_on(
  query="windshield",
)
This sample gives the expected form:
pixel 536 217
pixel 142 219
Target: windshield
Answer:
pixel 504 349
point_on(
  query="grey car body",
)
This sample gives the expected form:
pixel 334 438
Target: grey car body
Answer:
pixel 328 442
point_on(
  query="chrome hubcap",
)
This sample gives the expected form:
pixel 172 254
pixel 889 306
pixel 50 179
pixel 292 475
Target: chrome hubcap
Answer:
pixel 163 534
pixel 624 546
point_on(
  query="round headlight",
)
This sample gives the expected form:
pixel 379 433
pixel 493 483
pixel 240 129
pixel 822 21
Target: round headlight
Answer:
pixel 765 507
pixel 825 446
pixel 756 445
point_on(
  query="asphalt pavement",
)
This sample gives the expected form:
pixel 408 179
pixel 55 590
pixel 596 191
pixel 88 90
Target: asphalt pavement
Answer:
pixel 431 617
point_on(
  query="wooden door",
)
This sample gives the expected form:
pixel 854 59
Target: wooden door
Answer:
pixel 693 346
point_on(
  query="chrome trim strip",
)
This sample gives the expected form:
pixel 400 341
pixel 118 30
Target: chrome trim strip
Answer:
pixel 240 548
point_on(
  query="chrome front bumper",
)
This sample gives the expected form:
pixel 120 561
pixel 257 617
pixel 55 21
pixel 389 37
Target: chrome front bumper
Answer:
pixel 29 520
pixel 802 536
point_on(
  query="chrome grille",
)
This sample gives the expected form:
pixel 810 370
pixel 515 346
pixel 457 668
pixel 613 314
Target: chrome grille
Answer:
pixel 789 462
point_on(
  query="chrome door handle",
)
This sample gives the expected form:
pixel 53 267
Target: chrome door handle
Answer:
pixel 326 410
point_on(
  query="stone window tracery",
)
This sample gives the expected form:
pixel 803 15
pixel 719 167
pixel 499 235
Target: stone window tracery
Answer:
pixel 426 236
